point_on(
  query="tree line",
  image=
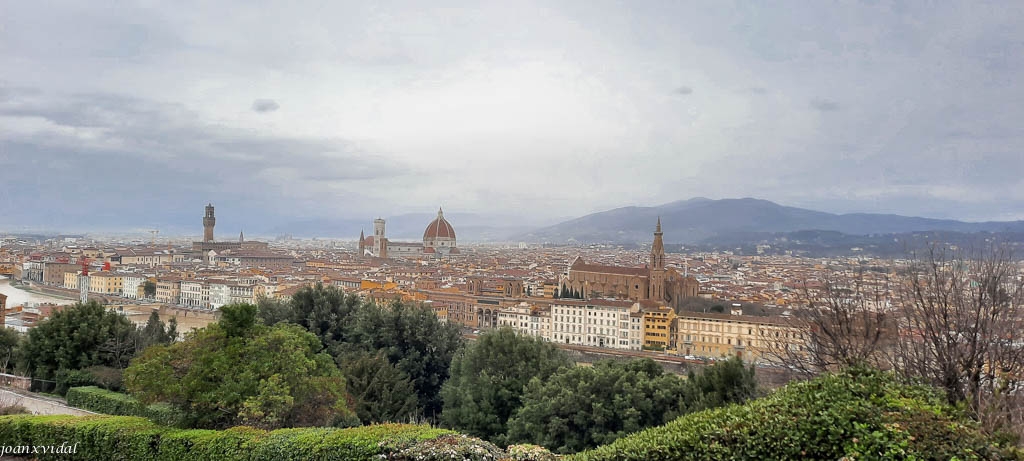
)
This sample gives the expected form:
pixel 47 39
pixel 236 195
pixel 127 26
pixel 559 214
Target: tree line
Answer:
pixel 85 344
pixel 327 358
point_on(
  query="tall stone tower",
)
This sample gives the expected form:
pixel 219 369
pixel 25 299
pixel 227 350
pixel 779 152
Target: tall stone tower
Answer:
pixel 208 222
pixel 362 243
pixel 380 243
pixel 657 266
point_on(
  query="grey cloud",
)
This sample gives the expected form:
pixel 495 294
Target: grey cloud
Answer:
pixel 162 158
pixel 265 105
pixel 824 105
pixel 936 89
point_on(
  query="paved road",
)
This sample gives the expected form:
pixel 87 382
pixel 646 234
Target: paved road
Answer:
pixel 39 405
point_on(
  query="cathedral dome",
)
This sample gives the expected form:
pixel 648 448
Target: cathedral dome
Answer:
pixel 439 229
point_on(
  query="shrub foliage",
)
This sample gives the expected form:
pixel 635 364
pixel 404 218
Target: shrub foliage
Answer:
pixel 115 403
pixel 410 337
pixel 488 377
pixel 855 415
pixel 239 371
pixel 584 407
pixel 118 438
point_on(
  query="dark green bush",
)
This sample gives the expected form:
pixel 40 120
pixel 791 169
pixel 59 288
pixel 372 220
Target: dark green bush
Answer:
pixel 66 379
pixel 115 403
pixel 103 401
pixel 857 415
pixel 133 438
pixel 109 378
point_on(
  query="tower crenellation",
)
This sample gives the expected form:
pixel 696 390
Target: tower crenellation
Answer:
pixel 209 221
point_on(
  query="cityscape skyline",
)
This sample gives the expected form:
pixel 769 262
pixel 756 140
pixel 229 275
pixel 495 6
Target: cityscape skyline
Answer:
pixel 555 110
pixel 760 218
pixel 529 229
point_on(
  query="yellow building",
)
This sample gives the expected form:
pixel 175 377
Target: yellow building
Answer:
pixel 375 285
pixel 749 337
pixel 659 326
pixel 71 280
pixel 106 283
pixel 168 290
pixel 547 289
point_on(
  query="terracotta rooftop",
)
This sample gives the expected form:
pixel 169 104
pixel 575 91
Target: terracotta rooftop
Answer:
pixel 580 266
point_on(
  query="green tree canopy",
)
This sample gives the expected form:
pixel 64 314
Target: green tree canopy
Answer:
pixel 584 407
pixel 172 329
pixel 10 340
pixel 77 337
pixel 723 383
pixel 155 332
pixel 149 289
pixel 382 393
pixel 326 312
pixel 488 377
pixel 238 319
pixel 415 341
pixel 273 310
pixel 410 337
pixel 238 371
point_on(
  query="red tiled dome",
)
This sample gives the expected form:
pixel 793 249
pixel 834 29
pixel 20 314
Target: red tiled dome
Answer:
pixel 439 228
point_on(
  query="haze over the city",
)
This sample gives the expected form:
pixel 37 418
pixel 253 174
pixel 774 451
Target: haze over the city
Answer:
pixel 137 115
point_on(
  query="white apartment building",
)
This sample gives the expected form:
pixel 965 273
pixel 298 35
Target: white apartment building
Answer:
pixel 131 284
pixel 568 322
pixel 195 293
pixel 515 317
pixel 608 324
pixel 527 320
pixel 242 294
pixel 220 295
pixel 597 323
pixel 636 328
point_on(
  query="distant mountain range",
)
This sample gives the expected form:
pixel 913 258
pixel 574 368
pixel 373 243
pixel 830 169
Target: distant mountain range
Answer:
pixel 718 223
pixel 700 219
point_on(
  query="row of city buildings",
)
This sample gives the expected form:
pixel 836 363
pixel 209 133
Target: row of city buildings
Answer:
pixel 649 326
pixel 599 297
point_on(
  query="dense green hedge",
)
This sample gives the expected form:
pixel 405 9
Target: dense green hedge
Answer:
pixel 858 415
pixel 135 438
pixel 115 403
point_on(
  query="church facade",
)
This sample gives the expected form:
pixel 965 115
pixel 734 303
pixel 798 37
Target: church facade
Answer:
pixel 438 242
pixel 654 282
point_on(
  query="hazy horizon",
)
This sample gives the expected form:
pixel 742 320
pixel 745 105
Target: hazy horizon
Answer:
pixel 408 228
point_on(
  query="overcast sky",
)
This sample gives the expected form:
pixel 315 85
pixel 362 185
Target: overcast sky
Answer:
pixel 143 113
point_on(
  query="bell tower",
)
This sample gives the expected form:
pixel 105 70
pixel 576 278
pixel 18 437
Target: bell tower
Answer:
pixel 656 290
pixel 208 222
pixel 380 242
